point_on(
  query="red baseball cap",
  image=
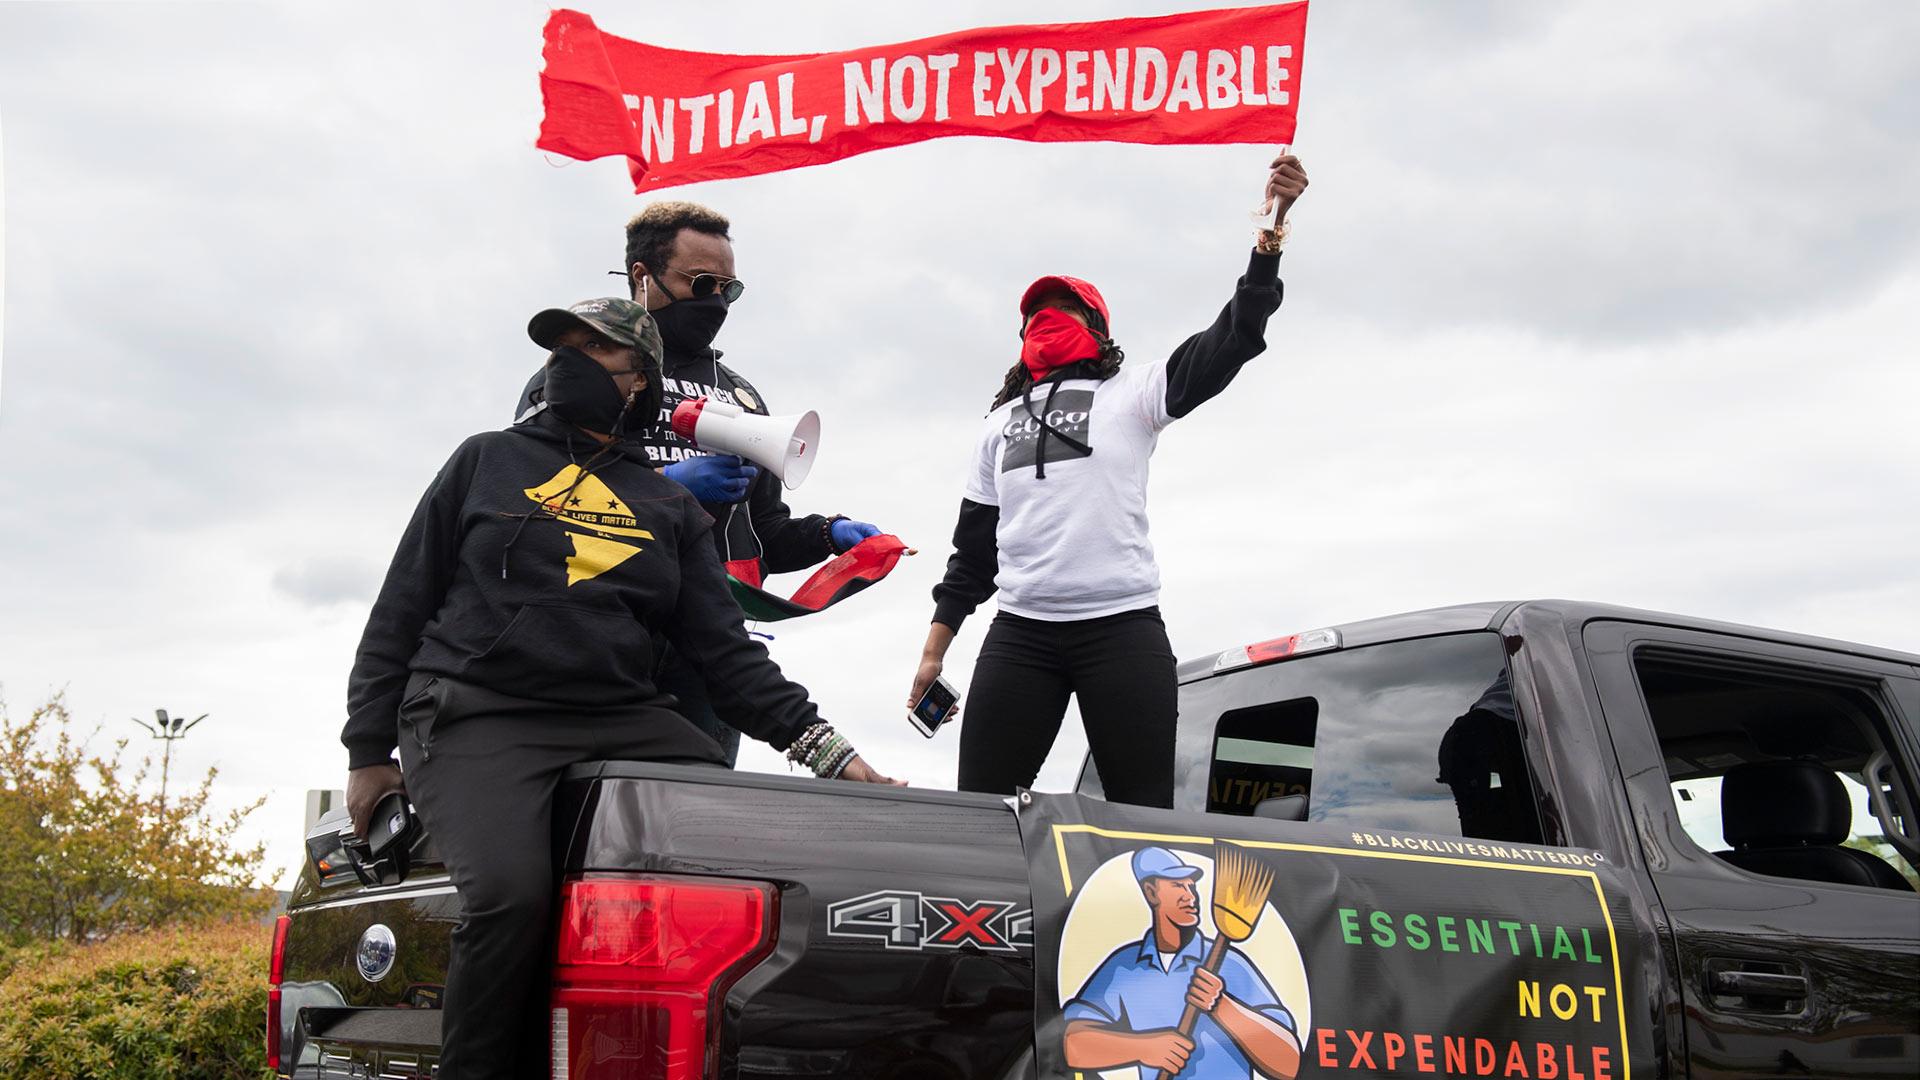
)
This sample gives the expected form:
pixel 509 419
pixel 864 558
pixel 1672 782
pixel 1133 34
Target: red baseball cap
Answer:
pixel 1083 290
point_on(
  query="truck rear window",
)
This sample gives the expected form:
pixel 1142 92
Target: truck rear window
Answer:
pixel 1416 736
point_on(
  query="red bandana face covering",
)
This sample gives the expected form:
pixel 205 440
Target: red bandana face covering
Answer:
pixel 1055 339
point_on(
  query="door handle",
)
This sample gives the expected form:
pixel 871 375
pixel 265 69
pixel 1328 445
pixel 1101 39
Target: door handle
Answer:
pixel 1758 984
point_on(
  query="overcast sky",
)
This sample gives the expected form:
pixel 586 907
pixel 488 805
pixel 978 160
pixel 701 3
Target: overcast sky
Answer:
pixel 1606 301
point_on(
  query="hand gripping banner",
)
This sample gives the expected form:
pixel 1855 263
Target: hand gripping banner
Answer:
pixel 842 576
pixel 1275 949
pixel 1229 76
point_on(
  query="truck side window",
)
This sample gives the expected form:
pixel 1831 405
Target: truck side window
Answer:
pixel 1416 736
pixel 1769 770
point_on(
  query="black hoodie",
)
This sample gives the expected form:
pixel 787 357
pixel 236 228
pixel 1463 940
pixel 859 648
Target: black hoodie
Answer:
pixel 568 605
pixel 758 527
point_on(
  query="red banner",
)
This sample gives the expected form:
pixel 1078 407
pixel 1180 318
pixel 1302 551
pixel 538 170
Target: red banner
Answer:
pixel 1199 77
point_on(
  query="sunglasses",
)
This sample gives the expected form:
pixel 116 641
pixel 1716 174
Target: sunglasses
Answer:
pixel 701 286
pixel 705 285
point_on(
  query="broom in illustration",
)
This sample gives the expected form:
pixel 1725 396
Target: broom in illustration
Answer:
pixel 1240 888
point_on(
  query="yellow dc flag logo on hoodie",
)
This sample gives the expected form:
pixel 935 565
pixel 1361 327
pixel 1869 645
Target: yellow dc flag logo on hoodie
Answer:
pixel 584 501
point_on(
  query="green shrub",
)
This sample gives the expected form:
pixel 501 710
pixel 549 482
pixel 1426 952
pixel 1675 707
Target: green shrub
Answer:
pixel 92 849
pixel 185 1003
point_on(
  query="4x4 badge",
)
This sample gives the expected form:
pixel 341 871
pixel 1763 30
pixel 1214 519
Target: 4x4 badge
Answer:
pixel 908 920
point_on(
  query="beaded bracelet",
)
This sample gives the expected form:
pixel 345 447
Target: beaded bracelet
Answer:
pixel 821 747
pixel 840 764
pixel 801 750
pixel 1272 239
pixel 824 751
pixel 831 766
pixel 826 533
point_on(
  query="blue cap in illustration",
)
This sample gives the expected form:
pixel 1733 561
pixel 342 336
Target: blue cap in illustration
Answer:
pixel 1152 862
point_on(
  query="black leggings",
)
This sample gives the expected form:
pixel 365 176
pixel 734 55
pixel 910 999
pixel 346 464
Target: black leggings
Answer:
pixel 1120 666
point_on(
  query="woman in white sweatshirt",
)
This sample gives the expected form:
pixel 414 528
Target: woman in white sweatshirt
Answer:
pixel 1055 519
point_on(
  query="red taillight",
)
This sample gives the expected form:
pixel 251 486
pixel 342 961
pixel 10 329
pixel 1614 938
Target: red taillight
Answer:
pixel 641 964
pixel 276 969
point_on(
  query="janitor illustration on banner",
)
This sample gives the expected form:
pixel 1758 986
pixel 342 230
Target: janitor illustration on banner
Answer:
pixel 1273 952
pixel 1175 1002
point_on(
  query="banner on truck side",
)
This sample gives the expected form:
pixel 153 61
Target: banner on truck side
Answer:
pixel 1228 76
pixel 1313 950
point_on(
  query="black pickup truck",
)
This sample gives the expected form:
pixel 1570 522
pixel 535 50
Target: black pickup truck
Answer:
pixel 1754 792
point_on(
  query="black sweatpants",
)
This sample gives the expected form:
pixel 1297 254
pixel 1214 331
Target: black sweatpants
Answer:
pixel 1120 667
pixel 482 768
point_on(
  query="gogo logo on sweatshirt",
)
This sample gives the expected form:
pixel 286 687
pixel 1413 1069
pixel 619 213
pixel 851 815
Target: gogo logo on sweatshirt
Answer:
pixel 1070 413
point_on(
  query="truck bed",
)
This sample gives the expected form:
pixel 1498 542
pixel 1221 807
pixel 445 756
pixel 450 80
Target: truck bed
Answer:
pixel 824 1003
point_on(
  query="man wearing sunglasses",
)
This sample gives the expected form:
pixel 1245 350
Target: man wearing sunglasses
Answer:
pixel 679 264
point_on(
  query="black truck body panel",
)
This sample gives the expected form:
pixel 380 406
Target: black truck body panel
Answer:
pixel 821 1006
pixel 832 1005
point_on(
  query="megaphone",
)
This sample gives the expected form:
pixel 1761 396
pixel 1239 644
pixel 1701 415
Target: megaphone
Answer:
pixel 783 445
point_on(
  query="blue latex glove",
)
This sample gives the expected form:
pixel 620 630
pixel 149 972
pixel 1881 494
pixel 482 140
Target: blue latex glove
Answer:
pixel 713 478
pixel 847 532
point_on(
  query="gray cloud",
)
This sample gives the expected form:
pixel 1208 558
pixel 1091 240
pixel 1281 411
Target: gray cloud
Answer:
pixel 1608 175
pixel 326 581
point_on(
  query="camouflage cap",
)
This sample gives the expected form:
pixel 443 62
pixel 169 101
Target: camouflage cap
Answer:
pixel 621 320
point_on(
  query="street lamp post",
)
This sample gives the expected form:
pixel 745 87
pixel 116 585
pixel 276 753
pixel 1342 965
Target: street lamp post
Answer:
pixel 170 731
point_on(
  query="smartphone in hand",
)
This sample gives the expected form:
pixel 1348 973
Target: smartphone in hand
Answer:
pixel 934 708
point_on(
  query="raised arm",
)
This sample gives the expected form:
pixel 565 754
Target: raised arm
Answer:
pixel 1206 363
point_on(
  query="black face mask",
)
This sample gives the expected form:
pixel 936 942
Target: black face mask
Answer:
pixel 581 392
pixel 689 326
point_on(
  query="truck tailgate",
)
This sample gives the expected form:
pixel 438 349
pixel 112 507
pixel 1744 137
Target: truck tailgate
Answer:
pixel 338 1021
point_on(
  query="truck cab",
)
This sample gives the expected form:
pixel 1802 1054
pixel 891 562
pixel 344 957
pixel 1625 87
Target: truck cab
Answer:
pixel 1759 785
